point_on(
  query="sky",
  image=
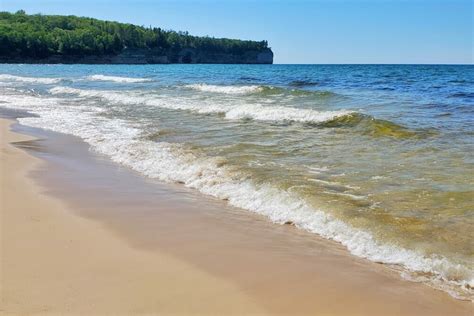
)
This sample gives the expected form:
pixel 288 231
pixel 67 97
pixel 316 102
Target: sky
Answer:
pixel 302 31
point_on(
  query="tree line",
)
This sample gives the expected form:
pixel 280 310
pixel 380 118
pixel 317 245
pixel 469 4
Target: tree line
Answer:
pixel 40 36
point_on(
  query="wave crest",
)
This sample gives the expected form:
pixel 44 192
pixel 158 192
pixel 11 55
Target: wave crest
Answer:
pixel 257 90
pixel 369 125
pixel 282 113
pixel 224 89
pixel 364 124
pixel 230 111
pixel 6 77
pixel 117 79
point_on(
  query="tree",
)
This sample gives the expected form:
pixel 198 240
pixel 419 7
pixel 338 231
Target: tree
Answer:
pixel 41 36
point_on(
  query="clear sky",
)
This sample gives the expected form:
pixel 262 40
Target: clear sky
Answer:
pixel 299 31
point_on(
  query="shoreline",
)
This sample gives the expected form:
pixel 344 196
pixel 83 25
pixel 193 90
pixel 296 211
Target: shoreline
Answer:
pixel 54 262
pixel 260 267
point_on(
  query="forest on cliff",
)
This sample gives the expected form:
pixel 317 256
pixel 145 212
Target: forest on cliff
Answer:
pixel 41 36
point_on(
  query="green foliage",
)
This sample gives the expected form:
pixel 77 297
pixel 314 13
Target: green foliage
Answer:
pixel 40 36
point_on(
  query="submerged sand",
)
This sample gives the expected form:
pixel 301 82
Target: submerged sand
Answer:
pixel 82 236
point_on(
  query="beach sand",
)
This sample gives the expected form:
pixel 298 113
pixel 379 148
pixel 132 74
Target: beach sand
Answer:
pixel 80 235
pixel 56 262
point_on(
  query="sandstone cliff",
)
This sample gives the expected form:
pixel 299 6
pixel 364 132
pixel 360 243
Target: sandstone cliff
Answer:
pixel 150 56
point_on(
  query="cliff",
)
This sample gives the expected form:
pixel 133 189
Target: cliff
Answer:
pixel 70 39
pixel 138 56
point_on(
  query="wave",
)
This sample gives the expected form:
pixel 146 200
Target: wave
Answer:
pixel 247 78
pixel 282 113
pixel 460 81
pixel 364 124
pixel 229 111
pixel 117 79
pixel 5 77
pixel 112 96
pixel 125 143
pixel 369 125
pixel 224 89
pixel 303 83
pixel 318 94
pixel 69 90
pixel 258 90
pixel 467 95
pixel 385 88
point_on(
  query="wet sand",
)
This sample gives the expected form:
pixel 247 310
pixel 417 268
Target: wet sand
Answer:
pixel 83 235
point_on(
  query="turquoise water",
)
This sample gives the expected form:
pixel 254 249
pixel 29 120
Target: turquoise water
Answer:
pixel 376 157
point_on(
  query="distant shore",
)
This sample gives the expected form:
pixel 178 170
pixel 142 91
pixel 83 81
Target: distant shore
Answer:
pixel 148 56
pixel 60 39
pixel 82 235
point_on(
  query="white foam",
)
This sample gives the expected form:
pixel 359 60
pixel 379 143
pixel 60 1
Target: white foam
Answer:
pixel 232 110
pixel 378 177
pixel 282 113
pixel 122 142
pixel 349 195
pixel 59 90
pixel 225 89
pixel 324 182
pixel 9 78
pixel 111 96
pixel 315 169
pixel 117 79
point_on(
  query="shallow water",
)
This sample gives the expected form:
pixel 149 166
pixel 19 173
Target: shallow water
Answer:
pixel 379 158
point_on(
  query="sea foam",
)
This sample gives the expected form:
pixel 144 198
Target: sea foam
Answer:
pixel 9 78
pixel 231 110
pixel 225 89
pixel 117 79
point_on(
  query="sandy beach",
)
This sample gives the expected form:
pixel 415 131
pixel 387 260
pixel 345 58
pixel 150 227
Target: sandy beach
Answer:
pixel 56 263
pixel 80 235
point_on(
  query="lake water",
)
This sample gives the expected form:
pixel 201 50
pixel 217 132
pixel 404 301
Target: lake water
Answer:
pixel 377 157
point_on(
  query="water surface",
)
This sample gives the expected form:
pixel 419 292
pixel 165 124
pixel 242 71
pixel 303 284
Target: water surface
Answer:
pixel 377 157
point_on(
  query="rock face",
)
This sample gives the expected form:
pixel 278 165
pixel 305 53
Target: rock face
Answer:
pixel 149 56
pixel 190 56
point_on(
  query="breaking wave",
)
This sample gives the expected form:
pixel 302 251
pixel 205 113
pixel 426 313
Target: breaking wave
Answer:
pixel 225 89
pixel 117 79
pixel 257 90
pixel 237 111
pixel 365 124
pixel 9 78
pixel 376 127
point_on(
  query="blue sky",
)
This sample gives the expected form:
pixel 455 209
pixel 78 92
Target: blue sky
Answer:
pixel 317 31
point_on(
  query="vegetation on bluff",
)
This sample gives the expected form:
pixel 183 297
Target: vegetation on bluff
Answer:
pixel 41 36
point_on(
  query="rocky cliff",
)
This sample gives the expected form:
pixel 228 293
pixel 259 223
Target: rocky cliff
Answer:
pixel 151 56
